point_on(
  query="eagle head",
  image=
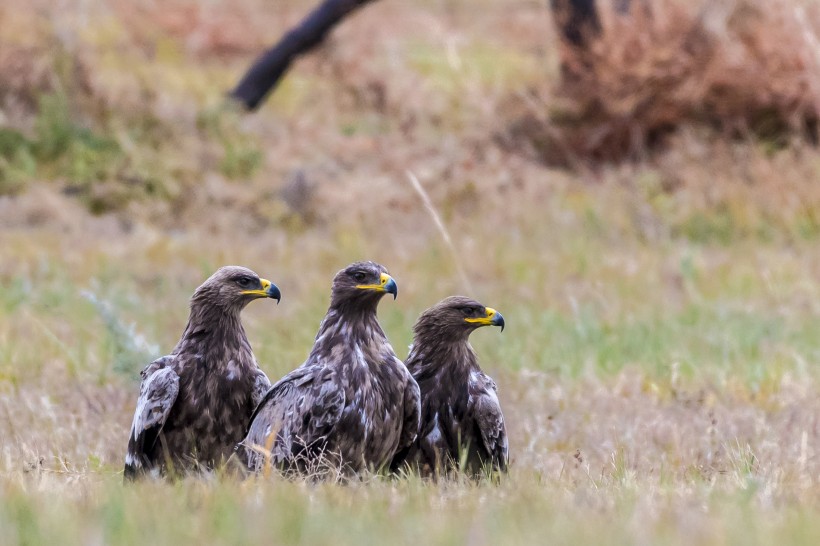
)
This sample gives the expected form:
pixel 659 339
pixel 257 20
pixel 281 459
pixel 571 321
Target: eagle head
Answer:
pixel 232 287
pixel 363 283
pixel 456 317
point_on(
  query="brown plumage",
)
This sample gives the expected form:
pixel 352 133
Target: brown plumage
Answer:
pixel 352 404
pixel 462 427
pixel 195 404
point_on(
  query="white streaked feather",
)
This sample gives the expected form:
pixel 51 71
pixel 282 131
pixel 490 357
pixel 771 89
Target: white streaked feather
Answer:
pixel 434 436
pixel 157 394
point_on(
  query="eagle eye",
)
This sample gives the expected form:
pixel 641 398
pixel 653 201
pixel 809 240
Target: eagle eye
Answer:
pixel 360 276
pixel 467 311
pixel 244 282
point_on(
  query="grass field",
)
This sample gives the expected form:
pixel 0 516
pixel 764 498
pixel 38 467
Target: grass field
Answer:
pixel 659 370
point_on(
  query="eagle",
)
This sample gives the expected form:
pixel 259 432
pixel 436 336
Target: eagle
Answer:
pixel 352 404
pixel 462 427
pixel 195 404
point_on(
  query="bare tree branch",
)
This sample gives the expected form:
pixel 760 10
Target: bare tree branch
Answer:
pixel 272 65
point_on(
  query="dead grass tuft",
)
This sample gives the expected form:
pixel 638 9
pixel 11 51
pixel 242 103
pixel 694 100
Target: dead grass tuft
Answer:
pixel 745 68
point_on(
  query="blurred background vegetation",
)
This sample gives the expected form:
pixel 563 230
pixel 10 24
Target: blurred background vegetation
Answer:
pixel 120 104
pixel 642 207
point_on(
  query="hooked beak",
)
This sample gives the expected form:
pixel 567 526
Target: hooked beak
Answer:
pixel 386 284
pixel 497 319
pixel 492 318
pixel 269 290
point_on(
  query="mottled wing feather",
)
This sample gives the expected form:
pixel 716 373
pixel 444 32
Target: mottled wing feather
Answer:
pixel 261 385
pixel 486 411
pixel 297 413
pixel 411 425
pixel 412 414
pixel 158 392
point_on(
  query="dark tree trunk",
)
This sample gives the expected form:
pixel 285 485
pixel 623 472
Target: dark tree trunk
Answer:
pixel 577 20
pixel 272 65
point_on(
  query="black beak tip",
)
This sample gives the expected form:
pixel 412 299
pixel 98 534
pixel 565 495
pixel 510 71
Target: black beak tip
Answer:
pixel 274 293
pixel 392 288
pixel 498 320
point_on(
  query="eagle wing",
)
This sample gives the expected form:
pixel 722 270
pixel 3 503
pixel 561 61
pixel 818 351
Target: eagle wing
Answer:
pixel 158 392
pixel 412 413
pixel 296 414
pixel 261 385
pixel 411 425
pixel 486 412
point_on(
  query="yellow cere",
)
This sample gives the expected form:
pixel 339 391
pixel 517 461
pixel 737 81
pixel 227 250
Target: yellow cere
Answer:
pixel 483 320
pixel 256 292
pixel 384 279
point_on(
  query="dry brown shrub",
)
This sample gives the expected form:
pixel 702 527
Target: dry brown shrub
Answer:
pixel 742 67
